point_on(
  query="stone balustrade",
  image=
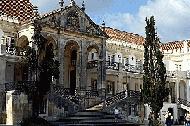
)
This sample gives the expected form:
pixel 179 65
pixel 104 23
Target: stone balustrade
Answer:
pixel 180 74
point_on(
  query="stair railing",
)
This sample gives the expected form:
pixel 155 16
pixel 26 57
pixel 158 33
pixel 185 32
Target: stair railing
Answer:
pixel 121 96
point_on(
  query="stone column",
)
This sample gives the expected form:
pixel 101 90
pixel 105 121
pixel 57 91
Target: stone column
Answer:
pixel 61 45
pixel 102 65
pixel 83 65
pixel 177 88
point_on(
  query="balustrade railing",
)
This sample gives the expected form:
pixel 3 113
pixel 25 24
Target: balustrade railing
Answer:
pixel 12 50
pixel 175 74
pixel 184 102
pixel 20 85
pixel 92 64
pixel 122 95
pixel 112 65
pixel 133 68
pixel 116 66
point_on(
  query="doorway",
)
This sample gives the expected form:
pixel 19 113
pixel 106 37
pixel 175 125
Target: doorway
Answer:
pixel 73 72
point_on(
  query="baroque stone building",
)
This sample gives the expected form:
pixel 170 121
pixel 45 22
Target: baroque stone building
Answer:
pixel 97 64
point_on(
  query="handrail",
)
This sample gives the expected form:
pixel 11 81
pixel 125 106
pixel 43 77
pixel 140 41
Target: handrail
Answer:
pixel 122 95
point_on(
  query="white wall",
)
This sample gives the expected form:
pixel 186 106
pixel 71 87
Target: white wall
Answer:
pixel 170 65
pixel 188 90
pixel 1 35
pixel 117 59
pixel 163 111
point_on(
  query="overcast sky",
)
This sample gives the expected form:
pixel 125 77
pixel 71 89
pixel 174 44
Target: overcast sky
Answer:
pixel 172 16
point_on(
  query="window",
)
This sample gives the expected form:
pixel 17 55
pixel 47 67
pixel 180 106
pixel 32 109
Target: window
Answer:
pixel 176 66
pixel 110 87
pixel 126 61
pixel 109 58
pixel 119 57
pixel 136 86
pixel 94 85
pixel 92 56
pixel 113 58
pixel 3 40
pixel 180 67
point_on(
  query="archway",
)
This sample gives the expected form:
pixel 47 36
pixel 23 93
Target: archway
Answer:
pixel 21 68
pixel 93 57
pixel 70 63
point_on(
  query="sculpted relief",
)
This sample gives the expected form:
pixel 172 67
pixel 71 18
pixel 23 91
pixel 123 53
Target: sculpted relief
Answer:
pixel 73 21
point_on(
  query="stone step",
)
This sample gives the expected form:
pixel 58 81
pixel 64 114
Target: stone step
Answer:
pixel 89 114
pixel 109 124
pixel 92 118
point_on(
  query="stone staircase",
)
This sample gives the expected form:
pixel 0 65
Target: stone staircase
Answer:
pixel 92 118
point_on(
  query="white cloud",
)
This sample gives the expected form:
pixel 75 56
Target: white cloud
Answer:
pixel 172 19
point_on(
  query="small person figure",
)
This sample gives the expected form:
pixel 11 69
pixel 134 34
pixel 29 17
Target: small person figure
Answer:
pixel 169 120
pixel 116 112
pixel 187 118
pixel 150 118
pixel 126 93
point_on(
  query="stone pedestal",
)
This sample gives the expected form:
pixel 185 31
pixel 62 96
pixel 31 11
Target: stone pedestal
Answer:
pixel 9 108
pixel 16 107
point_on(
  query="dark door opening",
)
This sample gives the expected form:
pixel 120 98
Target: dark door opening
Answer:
pixel 73 72
pixel 72 81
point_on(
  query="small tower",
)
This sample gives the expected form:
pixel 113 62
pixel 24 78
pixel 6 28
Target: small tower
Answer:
pixel 83 6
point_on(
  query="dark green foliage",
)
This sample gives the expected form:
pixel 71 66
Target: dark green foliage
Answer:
pixel 48 68
pixel 154 80
pixel 42 67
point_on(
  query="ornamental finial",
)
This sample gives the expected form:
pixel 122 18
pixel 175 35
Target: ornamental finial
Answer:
pixel 61 3
pixel 83 6
pixel 72 2
pixel 103 24
pixel 35 9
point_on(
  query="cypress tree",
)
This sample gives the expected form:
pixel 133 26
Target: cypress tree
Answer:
pixel 154 80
